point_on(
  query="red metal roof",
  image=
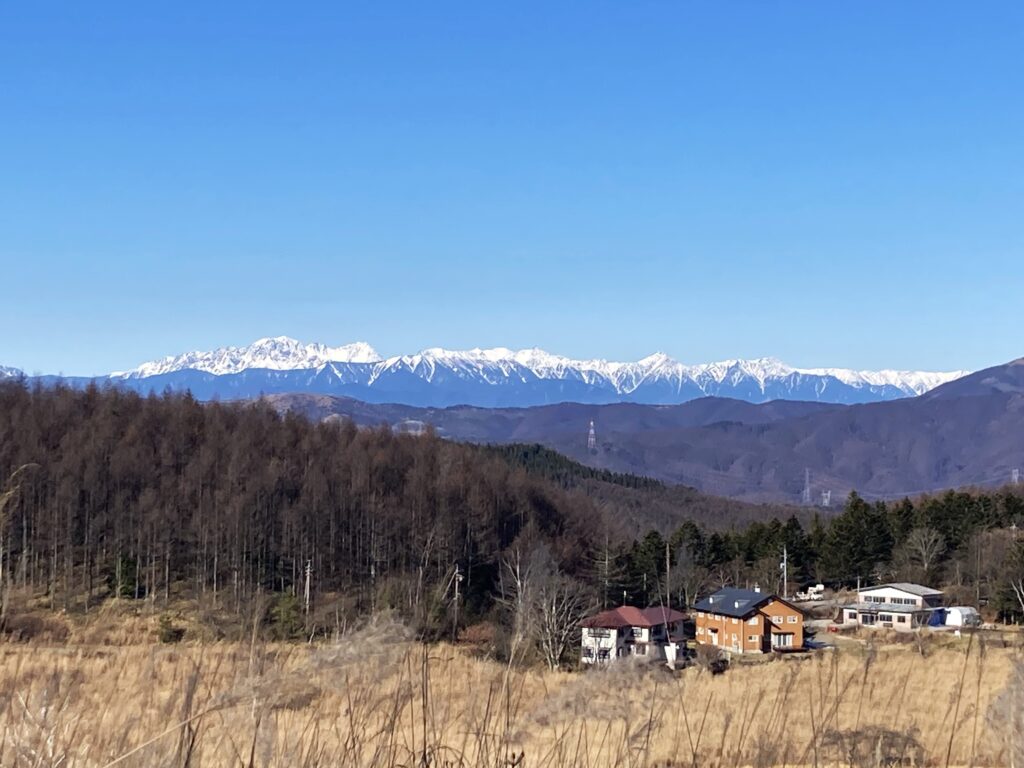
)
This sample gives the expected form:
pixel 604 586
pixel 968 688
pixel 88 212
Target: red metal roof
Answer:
pixel 630 616
pixel 662 615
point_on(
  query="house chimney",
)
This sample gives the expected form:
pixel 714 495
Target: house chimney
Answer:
pixel 736 604
pixel 711 599
pixel 757 587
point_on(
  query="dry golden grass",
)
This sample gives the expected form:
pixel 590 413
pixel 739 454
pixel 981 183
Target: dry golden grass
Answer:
pixel 378 699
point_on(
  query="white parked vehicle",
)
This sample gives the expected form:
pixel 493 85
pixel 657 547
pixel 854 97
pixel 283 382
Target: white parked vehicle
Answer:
pixel 816 592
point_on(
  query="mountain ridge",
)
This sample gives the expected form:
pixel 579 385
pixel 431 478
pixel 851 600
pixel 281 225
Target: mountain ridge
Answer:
pixel 502 377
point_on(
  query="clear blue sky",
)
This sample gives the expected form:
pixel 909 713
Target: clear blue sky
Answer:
pixel 828 183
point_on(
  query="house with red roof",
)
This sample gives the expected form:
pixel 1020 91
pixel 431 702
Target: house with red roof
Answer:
pixel 651 633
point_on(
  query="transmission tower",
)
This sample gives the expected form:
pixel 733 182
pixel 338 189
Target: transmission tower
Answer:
pixel 1015 477
pixel 807 486
pixel 826 498
pixel 592 438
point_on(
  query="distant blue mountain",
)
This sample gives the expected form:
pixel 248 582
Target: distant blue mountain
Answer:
pixel 496 377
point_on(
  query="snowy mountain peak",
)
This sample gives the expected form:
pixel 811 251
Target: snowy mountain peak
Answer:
pixel 528 376
pixel 657 360
pixel 279 353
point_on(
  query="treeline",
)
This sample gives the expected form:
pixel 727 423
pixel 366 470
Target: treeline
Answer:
pixel 164 497
pixel 966 542
pixel 104 493
pixel 563 470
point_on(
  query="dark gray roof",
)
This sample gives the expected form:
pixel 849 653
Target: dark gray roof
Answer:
pixel 735 603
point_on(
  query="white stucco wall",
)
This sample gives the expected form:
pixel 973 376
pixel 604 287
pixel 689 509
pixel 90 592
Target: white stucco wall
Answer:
pixel 888 594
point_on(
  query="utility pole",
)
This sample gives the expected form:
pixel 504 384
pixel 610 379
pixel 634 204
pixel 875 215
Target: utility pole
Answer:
pixel 668 576
pixel 785 572
pixel 457 578
pixel 305 590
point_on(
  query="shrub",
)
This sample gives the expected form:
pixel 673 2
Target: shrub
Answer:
pixel 28 627
pixel 285 619
pixel 168 632
pixel 711 658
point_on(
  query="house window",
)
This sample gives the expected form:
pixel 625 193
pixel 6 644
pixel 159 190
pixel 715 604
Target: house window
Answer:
pixel 588 653
pixel 700 614
pixel 603 654
pixel 735 621
pixel 885 617
pixel 901 619
pixel 791 619
pixel 641 650
pixel 776 619
pixel 754 621
pixel 754 639
pixel 638 632
pixel 700 630
pixel 734 637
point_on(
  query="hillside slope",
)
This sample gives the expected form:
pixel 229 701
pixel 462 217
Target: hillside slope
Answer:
pixel 963 433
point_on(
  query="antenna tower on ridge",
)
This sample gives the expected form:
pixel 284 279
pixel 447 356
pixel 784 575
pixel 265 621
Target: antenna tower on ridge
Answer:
pixel 1015 477
pixel 592 438
pixel 807 486
pixel 826 498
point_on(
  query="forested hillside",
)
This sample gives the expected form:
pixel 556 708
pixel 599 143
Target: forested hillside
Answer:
pixel 960 434
pixel 164 496
pixel 107 494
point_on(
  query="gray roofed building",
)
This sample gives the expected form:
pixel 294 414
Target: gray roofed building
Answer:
pixel 898 605
pixel 905 586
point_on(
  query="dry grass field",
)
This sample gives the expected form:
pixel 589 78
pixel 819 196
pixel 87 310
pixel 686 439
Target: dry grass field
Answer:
pixel 377 699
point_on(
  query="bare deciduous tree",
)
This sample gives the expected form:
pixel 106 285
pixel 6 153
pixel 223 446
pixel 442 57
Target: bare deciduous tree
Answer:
pixel 559 607
pixel 13 486
pixel 925 546
pixel 689 578
pixel 545 605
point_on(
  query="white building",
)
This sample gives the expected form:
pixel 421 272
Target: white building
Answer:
pixel 651 633
pixel 899 606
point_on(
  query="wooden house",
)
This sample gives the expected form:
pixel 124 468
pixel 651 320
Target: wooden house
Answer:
pixel 748 621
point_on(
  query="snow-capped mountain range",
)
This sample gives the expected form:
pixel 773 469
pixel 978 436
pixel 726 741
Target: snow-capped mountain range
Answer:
pixel 503 377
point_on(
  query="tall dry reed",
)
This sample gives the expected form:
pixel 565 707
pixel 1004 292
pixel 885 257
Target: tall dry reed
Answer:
pixel 376 699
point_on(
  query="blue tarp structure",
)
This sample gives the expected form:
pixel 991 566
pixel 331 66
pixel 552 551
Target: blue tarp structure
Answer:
pixel 938 618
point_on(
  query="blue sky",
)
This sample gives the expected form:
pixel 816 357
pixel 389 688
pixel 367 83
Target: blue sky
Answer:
pixel 828 183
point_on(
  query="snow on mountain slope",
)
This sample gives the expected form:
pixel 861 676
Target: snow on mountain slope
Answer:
pixel 280 354
pixel 501 376
pixel 6 372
